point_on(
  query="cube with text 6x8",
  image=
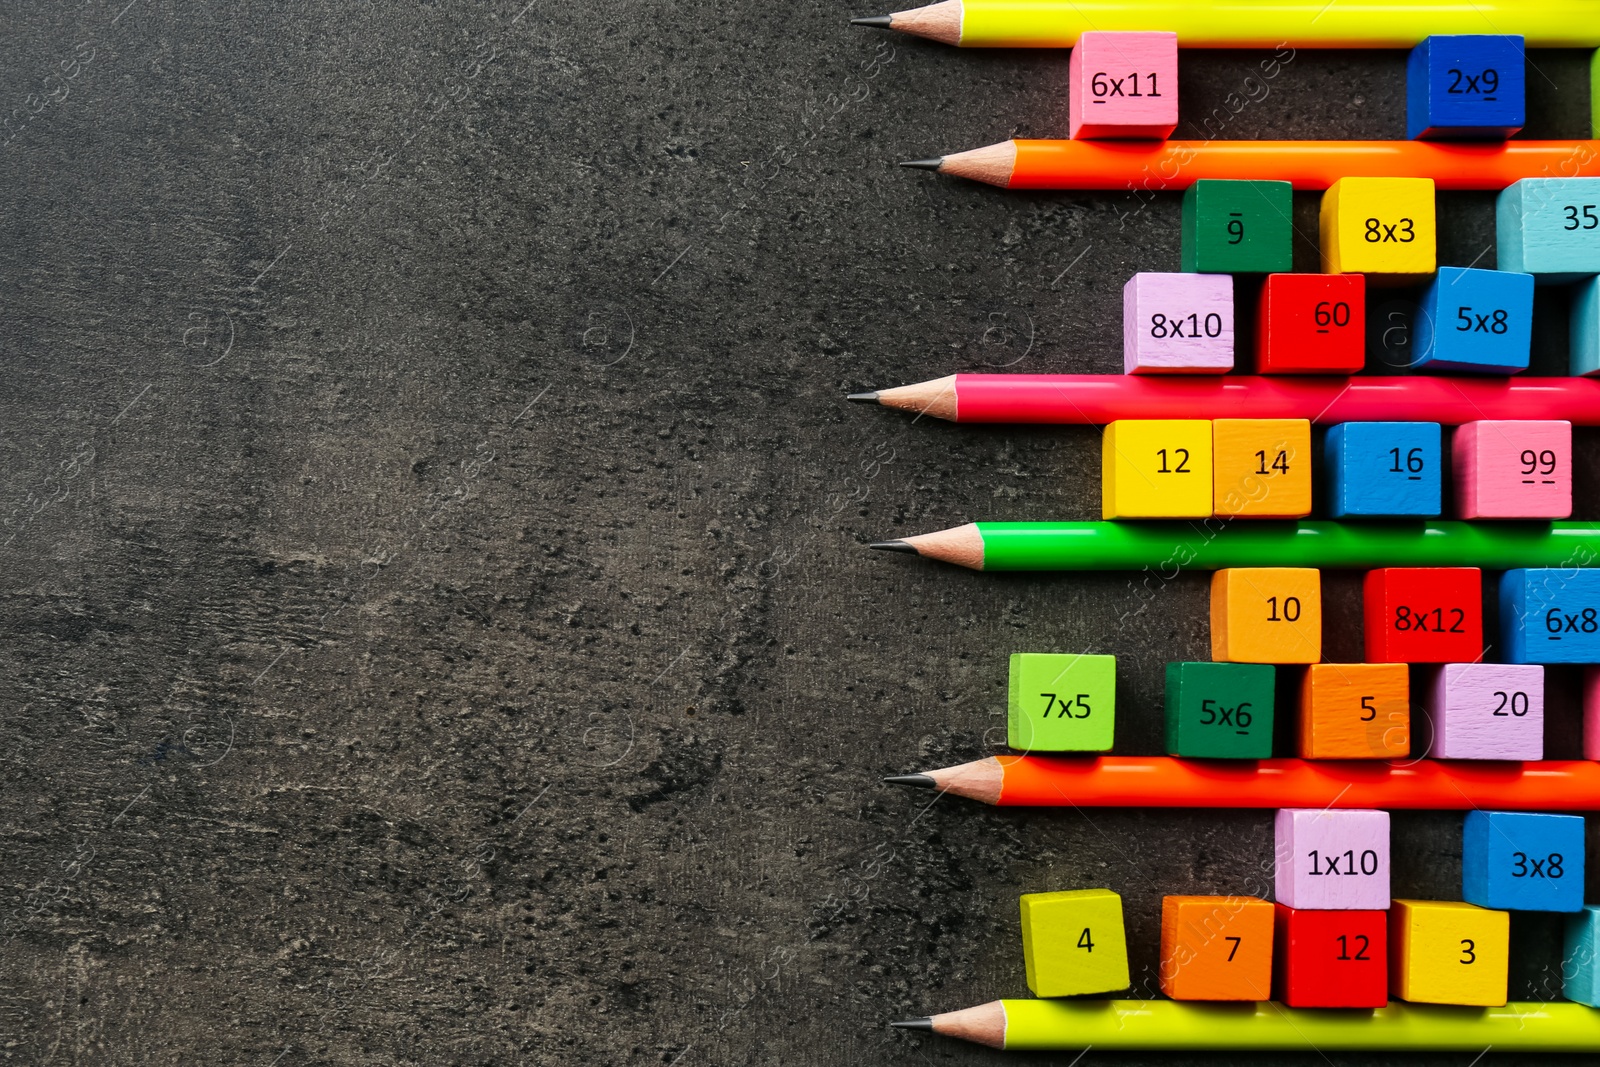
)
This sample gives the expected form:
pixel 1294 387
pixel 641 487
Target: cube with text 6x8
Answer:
pixel 1550 615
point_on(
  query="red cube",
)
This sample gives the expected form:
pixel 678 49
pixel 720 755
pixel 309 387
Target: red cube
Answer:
pixel 1311 324
pixel 1331 959
pixel 1423 615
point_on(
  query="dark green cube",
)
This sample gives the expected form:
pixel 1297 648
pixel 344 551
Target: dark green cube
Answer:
pixel 1238 227
pixel 1220 710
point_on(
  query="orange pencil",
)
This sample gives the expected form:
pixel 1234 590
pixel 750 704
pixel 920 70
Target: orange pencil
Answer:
pixel 1166 782
pixel 1036 164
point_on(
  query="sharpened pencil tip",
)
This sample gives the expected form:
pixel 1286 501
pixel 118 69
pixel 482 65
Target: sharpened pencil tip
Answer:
pixel 921 781
pixel 877 22
pixel 923 164
pixel 862 398
pixel 913 1024
pixel 891 546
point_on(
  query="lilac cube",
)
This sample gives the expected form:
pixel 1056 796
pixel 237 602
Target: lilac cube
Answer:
pixel 1487 711
pixel 1332 860
pixel 1177 324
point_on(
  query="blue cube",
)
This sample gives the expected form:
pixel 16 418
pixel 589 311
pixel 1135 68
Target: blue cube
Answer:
pixel 1586 326
pixel 1465 86
pixel 1522 861
pixel 1384 470
pixel 1550 615
pixel 1580 958
pixel 1549 228
pixel 1476 320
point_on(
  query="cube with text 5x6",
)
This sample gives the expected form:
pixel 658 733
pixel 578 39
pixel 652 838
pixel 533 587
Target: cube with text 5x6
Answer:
pixel 1220 710
pixel 1061 703
pixel 1448 952
pixel 1122 85
pixel 1074 942
pixel 1382 227
pixel 1331 858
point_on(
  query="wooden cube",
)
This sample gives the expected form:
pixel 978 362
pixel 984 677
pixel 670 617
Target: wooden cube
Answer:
pixel 1550 615
pixel 1237 227
pixel 1332 859
pixel 1591 713
pixel 1584 357
pixel 1311 324
pixel 1061 703
pixel 1384 470
pixel 1479 321
pixel 1549 228
pixel 1522 861
pixel 1446 952
pixel 1487 711
pixel 1216 948
pixel 1074 942
pixel 1382 227
pixel 1580 958
pixel 1423 615
pixel 1220 710
pixel 1355 711
pixel 1465 87
pixel 1156 469
pixel 1122 85
pixel 1177 323
pixel 1331 959
pixel 1266 615
pixel 1505 469
pixel 1262 468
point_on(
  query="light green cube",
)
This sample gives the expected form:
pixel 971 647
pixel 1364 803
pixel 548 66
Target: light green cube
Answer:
pixel 1074 942
pixel 1061 703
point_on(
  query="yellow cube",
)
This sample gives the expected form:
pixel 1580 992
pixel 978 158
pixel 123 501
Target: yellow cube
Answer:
pixel 1074 942
pixel 1379 226
pixel 1156 469
pixel 1263 467
pixel 1266 615
pixel 1447 952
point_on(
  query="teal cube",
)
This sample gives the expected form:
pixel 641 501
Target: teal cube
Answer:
pixel 1580 960
pixel 1549 228
pixel 1220 710
pixel 1586 326
pixel 1238 227
pixel 1061 703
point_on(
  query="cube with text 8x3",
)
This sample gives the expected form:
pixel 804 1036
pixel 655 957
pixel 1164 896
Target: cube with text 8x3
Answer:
pixel 1074 942
pixel 1522 861
pixel 1220 710
pixel 1381 227
pixel 1216 948
pixel 1384 470
pixel 1465 86
pixel 1448 952
pixel 1331 959
pixel 1331 859
pixel 1550 615
pixel 1476 320
pixel 1549 228
pixel 1237 227
pixel 1061 703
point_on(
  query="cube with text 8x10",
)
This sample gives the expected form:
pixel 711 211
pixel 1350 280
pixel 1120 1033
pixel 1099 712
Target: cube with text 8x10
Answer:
pixel 1220 710
pixel 1331 859
pixel 1074 942
pixel 1061 703
pixel 1237 227
pixel 1522 861
pixel 1476 320
pixel 1465 86
pixel 1384 470
pixel 1177 323
pixel 1550 615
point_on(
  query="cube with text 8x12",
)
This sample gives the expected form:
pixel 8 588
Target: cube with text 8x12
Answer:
pixel 1074 942
pixel 1061 703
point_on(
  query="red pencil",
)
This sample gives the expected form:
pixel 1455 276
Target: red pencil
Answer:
pixel 1096 399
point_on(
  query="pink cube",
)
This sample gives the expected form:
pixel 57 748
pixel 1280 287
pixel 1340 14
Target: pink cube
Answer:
pixel 1487 711
pixel 1513 470
pixel 1123 85
pixel 1177 324
pixel 1332 860
pixel 1591 713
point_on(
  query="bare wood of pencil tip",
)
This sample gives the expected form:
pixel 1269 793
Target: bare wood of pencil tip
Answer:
pixel 979 780
pixel 984 1024
pixel 936 398
pixel 993 163
pixel 961 545
pixel 937 22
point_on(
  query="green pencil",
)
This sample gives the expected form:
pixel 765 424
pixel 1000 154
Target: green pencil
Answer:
pixel 1212 544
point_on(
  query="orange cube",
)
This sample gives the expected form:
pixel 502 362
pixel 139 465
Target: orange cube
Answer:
pixel 1355 711
pixel 1266 615
pixel 1216 948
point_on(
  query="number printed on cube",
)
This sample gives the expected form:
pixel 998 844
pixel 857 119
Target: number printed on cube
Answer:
pixel 1177 323
pixel 1522 861
pixel 1487 711
pixel 1465 86
pixel 1216 948
pixel 1423 614
pixel 1355 711
pixel 1448 952
pixel 1156 469
pixel 1311 324
pixel 1122 85
pixel 1550 615
pixel 1266 615
pixel 1508 469
pixel 1237 227
pixel 1549 227
pixel 1220 710
pixel 1332 859
pixel 1331 959
pixel 1475 320
pixel 1061 703
pixel 1580 957
pixel 1585 330
pixel 1378 470
pixel 1381 227
pixel 1263 468
pixel 1074 942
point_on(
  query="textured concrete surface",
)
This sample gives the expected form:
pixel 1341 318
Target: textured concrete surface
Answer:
pixel 436 622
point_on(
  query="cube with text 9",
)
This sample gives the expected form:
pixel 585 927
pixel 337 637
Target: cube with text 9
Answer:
pixel 1550 615
pixel 1235 227
pixel 1061 703
pixel 1465 87
pixel 1384 470
pixel 1475 320
pixel 1487 711
pixel 1423 614
pixel 1177 324
pixel 1448 952
pixel 1156 469
pixel 1216 948
pixel 1220 710
pixel 1263 468
pixel 1381 227
pixel 1512 469
pixel 1311 324
pixel 1522 860
pixel 1074 942
pixel 1266 615
pixel 1355 711
pixel 1122 84
pixel 1331 959
pixel 1331 859
pixel 1549 228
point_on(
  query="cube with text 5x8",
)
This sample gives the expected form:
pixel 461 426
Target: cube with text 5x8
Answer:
pixel 1448 952
pixel 1479 321
pixel 1074 942
pixel 1580 957
pixel 1513 469
pixel 1220 710
pixel 1487 711
pixel 1156 469
pixel 1522 861
pixel 1216 948
pixel 1266 615
pixel 1381 227
pixel 1237 227
pixel 1585 329
pixel 1122 85
pixel 1423 614
pixel 1061 703
pixel 1384 470
pixel 1550 615
pixel 1355 711
pixel 1177 323
pixel 1331 859
pixel 1262 468
pixel 1549 228
pixel 1311 324
pixel 1465 87
pixel 1331 959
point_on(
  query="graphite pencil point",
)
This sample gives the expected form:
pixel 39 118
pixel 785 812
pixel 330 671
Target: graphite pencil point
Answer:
pixel 877 22
pixel 921 781
pixel 891 546
pixel 923 164
pixel 913 1024
pixel 863 398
